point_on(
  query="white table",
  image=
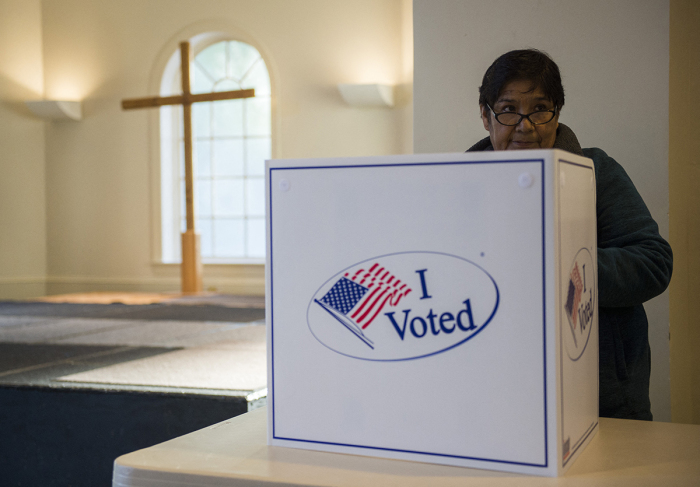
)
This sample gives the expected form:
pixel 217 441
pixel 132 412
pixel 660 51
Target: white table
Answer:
pixel 235 453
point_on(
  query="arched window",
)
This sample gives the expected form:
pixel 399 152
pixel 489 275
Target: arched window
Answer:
pixel 232 139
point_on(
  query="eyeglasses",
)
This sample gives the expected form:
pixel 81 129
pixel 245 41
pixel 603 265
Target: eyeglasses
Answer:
pixel 535 118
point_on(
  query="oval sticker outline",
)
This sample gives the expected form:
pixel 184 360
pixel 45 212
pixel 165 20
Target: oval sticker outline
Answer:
pixel 454 345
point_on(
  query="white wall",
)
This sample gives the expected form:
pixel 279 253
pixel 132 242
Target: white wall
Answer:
pixel 100 186
pixel 22 182
pixel 614 59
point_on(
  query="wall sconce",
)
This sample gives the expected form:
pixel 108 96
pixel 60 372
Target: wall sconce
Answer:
pixel 56 109
pixel 370 95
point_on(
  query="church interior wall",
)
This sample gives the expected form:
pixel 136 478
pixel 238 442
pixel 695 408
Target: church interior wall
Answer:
pixel 614 58
pixel 23 252
pixel 99 196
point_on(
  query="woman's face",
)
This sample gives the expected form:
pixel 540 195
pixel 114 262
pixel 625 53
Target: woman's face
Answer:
pixel 519 97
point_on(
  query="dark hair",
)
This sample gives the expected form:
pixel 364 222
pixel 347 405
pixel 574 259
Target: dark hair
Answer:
pixel 525 64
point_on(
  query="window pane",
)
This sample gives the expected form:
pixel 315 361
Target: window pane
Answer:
pixel 201 119
pixel 202 83
pixel 228 237
pixel 228 197
pixel 256 237
pixel 182 202
pixel 181 158
pixel 202 164
pixel 228 157
pixel 258 78
pixel 203 227
pixel 228 118
pixel 257 116
pixel 181 127
pixel 232 139
pixel 257 152
pixel 202 195
pixel 242 57
pixel 255 197
pixel 213 60
pixel 227 85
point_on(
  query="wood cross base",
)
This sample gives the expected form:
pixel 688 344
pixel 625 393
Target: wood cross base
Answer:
pixel 191 272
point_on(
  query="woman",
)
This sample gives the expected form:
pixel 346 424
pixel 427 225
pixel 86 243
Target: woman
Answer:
pixel 520 97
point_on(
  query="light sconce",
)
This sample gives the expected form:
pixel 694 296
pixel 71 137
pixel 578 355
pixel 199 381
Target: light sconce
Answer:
pixel 369 95
pixel 56 109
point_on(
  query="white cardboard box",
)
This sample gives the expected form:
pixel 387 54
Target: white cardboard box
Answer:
pixel 438 308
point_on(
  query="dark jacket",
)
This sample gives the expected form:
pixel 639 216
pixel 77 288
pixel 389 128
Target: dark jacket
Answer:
pixel 634 265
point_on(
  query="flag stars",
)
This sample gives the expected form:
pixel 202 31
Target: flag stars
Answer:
pixel 344 295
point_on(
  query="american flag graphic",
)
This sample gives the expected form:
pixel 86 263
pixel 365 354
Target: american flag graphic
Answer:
pixel 574 298
pixel 358 297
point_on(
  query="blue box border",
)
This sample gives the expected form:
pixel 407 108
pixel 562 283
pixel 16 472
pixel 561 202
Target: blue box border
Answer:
pixel 271 386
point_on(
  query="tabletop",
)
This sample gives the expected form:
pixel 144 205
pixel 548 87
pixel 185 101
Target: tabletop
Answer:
pixel 235 453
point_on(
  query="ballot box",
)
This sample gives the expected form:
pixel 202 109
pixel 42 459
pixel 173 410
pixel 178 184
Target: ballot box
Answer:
pixel 436 308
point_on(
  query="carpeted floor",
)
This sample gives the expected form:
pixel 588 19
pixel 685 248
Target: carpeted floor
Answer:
pixel 158 311
pixel 230 300
pixel 81 384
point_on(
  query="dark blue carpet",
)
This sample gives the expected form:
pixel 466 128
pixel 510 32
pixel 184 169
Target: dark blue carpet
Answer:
pixel 71 437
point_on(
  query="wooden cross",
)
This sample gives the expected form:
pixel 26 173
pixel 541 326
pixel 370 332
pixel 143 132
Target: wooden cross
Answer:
pixel 191 269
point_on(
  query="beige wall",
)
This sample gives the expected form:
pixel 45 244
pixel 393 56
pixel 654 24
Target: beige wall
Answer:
pixel 684 181
pixel 100 185
pixel 22 177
